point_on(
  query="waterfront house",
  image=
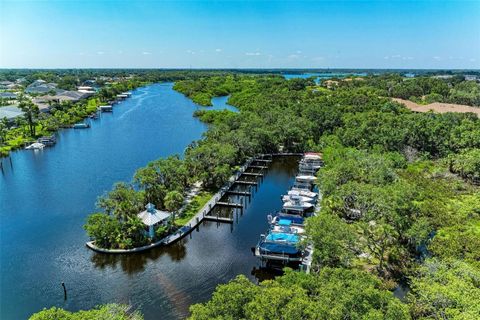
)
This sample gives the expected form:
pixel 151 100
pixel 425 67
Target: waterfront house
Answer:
pixel 11 113
pixel 153 218
pixel 45 102
pixel 5 84
pixel 471 77
pixel 40 87
pixel 8 95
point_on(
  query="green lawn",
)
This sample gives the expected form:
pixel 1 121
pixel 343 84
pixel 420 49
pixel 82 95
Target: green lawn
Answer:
pixel 193 207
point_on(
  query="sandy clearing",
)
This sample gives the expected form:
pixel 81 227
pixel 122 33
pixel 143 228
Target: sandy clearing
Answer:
pixel 438 107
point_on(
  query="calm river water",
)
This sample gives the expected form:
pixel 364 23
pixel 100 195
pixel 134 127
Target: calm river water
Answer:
pixel 46 195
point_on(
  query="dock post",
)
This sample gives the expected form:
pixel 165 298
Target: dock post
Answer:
pixel 64 291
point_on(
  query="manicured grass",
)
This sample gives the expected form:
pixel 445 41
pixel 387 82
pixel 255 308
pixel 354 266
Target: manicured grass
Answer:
pixel 192 208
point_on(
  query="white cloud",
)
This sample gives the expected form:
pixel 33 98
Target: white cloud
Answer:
pixel 398 57
pixel 318 59
pixel 218 50
pixel 293 56
pixel 298 52
pixel 473 60
pixel 100 52
pixel 190 51
pixel 253 53
pixel 146 53
pixel 437 58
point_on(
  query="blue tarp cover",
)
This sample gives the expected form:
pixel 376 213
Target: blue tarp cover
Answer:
pixel 284 222
pixel 280 236
pixel 293 219
pixel 268 247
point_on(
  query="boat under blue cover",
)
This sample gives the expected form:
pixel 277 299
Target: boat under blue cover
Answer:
pixel 278 248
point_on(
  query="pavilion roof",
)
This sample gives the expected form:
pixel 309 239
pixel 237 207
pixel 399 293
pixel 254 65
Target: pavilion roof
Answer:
pixel 152 216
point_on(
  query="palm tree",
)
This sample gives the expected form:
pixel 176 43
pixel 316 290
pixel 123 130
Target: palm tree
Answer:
pixel 31 113
pixel 3 130
pixel 173 202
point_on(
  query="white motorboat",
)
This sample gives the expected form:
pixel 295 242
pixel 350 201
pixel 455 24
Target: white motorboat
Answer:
pixel 281 226
pixel 305 178
pixel 302 192
pixel 35 146
pixel 293 197
pixel 297 205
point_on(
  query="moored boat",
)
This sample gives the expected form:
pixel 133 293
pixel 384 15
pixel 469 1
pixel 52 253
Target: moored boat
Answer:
pixel 279 246
pixel 289 197
pixel 35 146
pixel 303 193
pixel 81 125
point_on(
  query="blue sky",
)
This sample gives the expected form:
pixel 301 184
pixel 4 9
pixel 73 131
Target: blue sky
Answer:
pixel 248 34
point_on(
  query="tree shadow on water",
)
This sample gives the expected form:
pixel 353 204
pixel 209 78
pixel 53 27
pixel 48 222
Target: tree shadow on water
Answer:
pixel 135 262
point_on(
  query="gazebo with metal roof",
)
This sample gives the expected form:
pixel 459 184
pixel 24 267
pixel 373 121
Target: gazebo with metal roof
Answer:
pixel 151 217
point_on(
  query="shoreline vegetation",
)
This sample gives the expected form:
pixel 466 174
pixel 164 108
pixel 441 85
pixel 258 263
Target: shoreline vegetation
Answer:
pixel 401 201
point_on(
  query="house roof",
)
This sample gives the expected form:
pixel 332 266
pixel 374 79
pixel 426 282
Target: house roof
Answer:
pixel 10 112
pixel 152 216
pixel 9 95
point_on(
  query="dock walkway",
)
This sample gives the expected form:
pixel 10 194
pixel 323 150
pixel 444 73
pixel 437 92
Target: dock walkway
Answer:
pixel 197 219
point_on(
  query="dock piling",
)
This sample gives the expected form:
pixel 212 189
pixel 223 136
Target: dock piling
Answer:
pixel 64 291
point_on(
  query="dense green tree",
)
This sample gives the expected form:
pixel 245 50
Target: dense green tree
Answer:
pixel 103 312
pixel 445 290
pixel 173 202
pixel 122 202
pixel 459 241
pixel 333 239
pixel 301 296
pixel 30 113
pixel 104 229
pixel 466 164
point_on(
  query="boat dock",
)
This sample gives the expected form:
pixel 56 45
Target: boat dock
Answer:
pixel 206 213
pixel 280 244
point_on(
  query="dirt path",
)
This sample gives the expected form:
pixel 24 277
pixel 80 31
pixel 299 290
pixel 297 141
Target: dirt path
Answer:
pixel 438 107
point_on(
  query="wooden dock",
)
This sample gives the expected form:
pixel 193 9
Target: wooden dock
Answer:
pixel 230 204
pixel 218 219
pixel 239 193
pixel 250 183
pixel 259 167
pixel 204 212
pixel 253 174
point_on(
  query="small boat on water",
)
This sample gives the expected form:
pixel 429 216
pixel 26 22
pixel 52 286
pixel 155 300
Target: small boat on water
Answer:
pixel 302 186
pixel 302 192
pixel 286 226
pixel 298 205
pixel 107 108
pixel 293 218
pixel 305 178
pixel 311 161
pixel 81 125
pixel 279 246
pixel 35 146
pixel 47 140
pixel 293 197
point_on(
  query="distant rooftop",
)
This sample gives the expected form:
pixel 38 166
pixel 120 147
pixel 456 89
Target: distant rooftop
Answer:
pixel 10 112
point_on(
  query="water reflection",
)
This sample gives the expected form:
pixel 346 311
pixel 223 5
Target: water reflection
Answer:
pixel 136 262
